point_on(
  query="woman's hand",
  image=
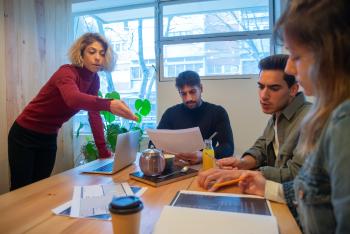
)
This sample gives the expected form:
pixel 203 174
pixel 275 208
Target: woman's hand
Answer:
pixel 206 179
pixel 118 107
pixel 252 182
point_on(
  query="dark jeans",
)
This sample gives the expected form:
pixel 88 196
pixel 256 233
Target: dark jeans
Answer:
pixel 31 155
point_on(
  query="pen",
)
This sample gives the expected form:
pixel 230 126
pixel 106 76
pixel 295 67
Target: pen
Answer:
pixel 229 182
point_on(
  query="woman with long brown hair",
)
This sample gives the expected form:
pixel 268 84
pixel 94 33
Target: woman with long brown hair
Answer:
pixel 317 35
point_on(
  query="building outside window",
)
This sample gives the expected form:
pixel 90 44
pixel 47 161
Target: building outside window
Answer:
pixel 157 39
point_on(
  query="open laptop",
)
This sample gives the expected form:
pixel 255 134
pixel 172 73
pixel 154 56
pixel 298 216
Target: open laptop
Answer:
pixel 125 154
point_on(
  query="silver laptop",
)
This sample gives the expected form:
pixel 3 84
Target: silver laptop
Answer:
pixel 125 154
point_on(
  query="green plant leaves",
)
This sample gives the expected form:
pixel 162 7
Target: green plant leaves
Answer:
pixel 113 95
pixel 143 106
pixel 81 125
pixel 112 128
pixel 112 134
pixel 90 151
pixel 108 116
pixel 139 117
pixel 135 128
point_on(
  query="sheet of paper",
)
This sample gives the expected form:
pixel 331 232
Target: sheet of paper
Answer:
pixel 223 202
pixel 177 141
pixel 93 200
pixel 189 220
pixel 205 212
pixel 65 209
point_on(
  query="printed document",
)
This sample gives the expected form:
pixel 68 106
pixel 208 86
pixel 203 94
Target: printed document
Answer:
pixel 204 213
pixel 177 141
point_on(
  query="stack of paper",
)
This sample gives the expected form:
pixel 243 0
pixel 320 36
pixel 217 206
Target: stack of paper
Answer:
pixel 92 201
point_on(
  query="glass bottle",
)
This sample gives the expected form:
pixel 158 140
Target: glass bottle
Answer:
pixel 208 156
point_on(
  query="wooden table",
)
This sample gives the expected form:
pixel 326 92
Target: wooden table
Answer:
pixel 28 209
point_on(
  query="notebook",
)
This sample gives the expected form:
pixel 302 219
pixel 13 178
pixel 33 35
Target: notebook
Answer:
pixel 125 154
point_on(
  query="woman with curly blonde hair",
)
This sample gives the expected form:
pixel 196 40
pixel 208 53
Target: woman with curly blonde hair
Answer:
pixel 73 87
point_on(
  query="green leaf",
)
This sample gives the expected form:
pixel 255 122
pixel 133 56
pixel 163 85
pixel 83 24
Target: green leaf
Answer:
pixel 112 135
pixel 113 95
pixel 135 128
pixel 138 104
pixel 143 106
pixel 81 125
pixel 90 151
pixel 123 130
pixel 108 116
pixel 139 117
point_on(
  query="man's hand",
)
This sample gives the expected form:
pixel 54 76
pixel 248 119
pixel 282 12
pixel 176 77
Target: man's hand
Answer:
pixel 206 179
pixel 246 163
pixel 119 108
pixel 191 158
pixel 229 163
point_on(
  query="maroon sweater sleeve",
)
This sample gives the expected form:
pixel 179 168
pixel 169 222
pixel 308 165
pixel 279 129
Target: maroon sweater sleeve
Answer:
pixel 75 99
pixel 97 126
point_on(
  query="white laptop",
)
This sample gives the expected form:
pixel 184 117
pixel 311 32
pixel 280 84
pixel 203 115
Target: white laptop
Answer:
pixel 125 154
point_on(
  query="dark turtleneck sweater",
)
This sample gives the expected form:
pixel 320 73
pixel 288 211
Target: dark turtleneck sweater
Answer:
pixel 209 118
pixel 69 90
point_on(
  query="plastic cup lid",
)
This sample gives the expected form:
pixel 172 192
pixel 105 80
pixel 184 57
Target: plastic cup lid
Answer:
pixel 125 205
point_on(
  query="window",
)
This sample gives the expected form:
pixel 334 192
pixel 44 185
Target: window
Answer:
pixel 131 34
pixel 222 35
pixel 158 39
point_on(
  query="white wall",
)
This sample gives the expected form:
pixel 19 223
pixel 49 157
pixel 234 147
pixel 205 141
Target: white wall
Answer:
pixel 238 96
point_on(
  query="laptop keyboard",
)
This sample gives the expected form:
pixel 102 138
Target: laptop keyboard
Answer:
pixel 106 168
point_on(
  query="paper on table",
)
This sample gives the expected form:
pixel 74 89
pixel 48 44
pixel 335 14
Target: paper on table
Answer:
pixel 177 141
pixel 204 212
pixel 65 209
pixel 189 220
pixel 93 200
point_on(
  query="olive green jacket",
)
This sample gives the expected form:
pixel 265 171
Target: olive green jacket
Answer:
pixel 286 165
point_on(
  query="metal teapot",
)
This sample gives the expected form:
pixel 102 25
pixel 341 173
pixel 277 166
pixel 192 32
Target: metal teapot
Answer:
pixel 152 162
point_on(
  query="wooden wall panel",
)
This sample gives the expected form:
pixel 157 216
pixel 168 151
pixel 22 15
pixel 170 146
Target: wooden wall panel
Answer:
pixel 4 172
pixel 34 41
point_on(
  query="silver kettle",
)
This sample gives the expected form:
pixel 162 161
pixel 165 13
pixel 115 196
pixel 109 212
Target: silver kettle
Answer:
pixel 152 162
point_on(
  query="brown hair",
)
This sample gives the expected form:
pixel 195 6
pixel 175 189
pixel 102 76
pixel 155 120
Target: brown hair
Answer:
pixel 78 47
pixel 323 27
pixel 277 62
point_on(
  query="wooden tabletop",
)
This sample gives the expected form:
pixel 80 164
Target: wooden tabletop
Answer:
pixel 28 209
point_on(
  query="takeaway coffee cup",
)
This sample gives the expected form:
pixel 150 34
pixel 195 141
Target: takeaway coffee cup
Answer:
pixel 126 214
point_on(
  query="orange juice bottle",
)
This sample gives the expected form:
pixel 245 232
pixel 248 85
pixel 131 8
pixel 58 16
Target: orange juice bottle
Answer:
pixel 208 155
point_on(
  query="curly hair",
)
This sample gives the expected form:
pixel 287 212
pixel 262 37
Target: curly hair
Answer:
pixel 77 49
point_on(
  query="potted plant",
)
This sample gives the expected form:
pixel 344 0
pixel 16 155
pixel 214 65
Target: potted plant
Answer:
pixel 112 128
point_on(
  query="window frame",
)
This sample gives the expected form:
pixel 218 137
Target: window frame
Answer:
pixel 161 41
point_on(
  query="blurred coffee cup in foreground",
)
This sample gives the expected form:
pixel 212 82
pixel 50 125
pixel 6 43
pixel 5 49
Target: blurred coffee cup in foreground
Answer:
pixel 126 214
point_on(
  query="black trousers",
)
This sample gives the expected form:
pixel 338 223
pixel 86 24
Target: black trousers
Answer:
pixel 31 155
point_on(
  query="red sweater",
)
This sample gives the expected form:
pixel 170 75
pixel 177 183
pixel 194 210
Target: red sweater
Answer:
pixel 69 90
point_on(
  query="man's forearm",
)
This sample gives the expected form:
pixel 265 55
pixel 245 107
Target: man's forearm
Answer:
pixel 247 162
